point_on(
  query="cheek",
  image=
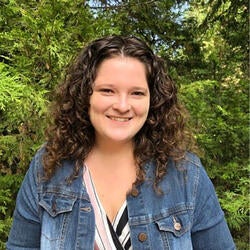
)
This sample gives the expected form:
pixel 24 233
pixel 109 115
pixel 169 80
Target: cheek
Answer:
pixel 98 108
pixel 96 105
pixel 143 109
pixel 147 105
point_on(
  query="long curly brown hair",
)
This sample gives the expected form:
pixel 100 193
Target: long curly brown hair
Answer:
pixel 71 134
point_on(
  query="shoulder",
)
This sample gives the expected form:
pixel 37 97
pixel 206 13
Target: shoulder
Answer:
pixel 182 176
pixel 187 169
pixel 193 171
pixel 203 192
pixel 35 169
pixel 189 162
pixel 62 173
pixel 186 177
pixel 191 165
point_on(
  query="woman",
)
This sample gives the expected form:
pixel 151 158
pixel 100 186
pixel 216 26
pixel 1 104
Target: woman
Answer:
pixel 115 172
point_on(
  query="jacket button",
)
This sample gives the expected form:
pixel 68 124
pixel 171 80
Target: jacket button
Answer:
pixel 134 192
pixel 177 226
pixel 142 237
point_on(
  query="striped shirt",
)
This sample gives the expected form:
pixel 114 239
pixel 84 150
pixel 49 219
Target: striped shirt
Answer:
pixel 108 235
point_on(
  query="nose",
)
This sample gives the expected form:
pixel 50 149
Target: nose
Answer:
pixel 122 104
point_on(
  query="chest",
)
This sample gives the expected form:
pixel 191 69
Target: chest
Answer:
pixel 109 190
pixel 70 224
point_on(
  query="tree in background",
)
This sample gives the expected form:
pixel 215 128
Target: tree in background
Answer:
pixel 37 40
pixel 218 100
pixel 204 44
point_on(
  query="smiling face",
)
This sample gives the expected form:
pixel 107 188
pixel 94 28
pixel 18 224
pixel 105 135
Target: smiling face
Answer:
pixel 119 104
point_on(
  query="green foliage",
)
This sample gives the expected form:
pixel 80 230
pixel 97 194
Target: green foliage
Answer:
pixel 221 126
pixel 204 43
pixel 219 118
pixel 9 185
pixel 216 92
pixel 22 110
pixel 40 37
pixel 233 189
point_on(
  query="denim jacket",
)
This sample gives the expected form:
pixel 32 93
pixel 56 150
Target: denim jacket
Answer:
pixel 55 215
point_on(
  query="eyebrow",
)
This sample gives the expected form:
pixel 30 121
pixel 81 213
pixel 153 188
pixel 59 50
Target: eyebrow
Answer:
pixel 96 84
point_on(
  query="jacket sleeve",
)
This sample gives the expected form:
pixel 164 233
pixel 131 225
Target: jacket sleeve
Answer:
pixel 25 231
pixel 210 230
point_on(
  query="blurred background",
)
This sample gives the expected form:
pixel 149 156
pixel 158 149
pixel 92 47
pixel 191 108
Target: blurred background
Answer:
pixel 205 44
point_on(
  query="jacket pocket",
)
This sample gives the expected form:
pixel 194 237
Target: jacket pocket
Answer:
pixel 55 204
pixel 175 231
pixel 56 217
pixel 177 224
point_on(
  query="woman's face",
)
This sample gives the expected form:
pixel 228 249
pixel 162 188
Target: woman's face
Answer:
pixel 120 101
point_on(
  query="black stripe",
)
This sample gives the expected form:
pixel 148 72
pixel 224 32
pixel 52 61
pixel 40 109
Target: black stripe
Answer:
pixel 116 241
pixel 128 244
pixel 122 222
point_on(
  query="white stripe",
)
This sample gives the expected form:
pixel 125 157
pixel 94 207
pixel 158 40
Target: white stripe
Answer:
pixel 100 214
pixel 125 237
pixel 119 215
pixel 125 234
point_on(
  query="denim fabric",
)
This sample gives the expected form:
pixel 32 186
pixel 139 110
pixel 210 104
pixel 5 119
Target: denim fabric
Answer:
pixel 56 215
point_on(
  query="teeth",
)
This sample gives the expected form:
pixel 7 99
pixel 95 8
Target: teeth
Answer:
pixel 119 119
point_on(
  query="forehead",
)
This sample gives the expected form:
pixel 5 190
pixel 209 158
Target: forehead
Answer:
pixel 118 60
pixel 122 71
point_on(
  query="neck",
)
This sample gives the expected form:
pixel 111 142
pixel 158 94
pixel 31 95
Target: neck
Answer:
pixel 107 147
pixel 112 155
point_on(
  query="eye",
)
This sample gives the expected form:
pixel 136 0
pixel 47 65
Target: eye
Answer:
pixel 106 91
pixel 138 93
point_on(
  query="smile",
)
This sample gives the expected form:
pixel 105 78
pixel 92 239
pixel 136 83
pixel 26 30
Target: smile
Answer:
pixel 119 119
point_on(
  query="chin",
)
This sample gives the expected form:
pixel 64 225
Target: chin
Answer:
pixel 120 139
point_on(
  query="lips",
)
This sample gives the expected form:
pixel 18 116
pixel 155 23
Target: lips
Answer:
pixel 119 119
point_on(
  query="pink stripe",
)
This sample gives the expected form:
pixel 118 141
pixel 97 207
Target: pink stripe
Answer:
pixel 98 215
